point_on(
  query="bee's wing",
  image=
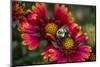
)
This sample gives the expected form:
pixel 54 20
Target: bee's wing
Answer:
pixel 55 45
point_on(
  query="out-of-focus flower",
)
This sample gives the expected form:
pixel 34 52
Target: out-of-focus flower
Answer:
pixel 90 29
pixel 93 56
pixel 65 40
pixel 17 10
pixel 79 14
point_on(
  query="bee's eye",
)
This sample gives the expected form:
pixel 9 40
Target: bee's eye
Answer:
pixel 61 33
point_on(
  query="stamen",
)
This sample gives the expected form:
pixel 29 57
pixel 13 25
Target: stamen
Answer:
pixel 68 43
pixel 51 28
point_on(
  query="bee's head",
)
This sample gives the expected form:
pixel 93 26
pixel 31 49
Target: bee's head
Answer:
pixel 62 32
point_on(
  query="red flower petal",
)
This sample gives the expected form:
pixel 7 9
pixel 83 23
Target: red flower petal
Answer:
pixel 62 60
pixel 81 38
pixel 25 26
pixel 33 17
pixel 77 57
pixel 50 53
pixel 41 9
pixel 31 40
pixel 79 54
pixel 85 48
pixel 62 14
pixel 74 32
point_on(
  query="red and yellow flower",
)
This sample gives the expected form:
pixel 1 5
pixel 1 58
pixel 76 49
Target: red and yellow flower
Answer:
pixel 17 10
pixel 65 39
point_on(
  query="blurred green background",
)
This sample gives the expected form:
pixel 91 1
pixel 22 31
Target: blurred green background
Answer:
pixel 85 16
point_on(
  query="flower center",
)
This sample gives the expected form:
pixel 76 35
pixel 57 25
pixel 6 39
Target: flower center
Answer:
pixel 68 43
pixel 51 28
